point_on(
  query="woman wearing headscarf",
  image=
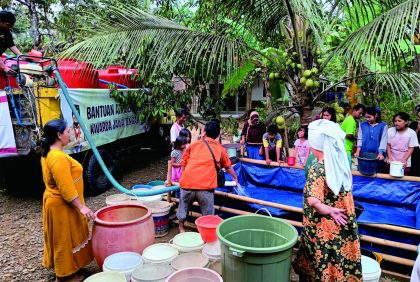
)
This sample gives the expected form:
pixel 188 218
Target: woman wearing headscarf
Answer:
pixel 330 246
pixel 252 135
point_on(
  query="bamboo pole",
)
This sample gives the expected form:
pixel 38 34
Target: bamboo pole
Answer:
pixel 355 173
pixel 299 210
pixel 365 238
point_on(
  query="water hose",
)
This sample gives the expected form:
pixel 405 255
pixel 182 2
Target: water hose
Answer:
pixel 150 192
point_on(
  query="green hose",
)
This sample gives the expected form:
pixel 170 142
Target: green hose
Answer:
pixel 98 156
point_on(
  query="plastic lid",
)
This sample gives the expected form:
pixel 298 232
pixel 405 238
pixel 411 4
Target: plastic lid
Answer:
pixel 159 206
pixel 188 260
pixel 370 267
pixel 122 261
pixel 106 277
pixel 151 272
pixel 118 198
pixel 213 250
pixel 188 240
pixel 146 198
pixel 160 252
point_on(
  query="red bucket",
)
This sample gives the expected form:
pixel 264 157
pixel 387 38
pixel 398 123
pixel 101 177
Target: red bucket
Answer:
pixel 207 225
pixel 291 161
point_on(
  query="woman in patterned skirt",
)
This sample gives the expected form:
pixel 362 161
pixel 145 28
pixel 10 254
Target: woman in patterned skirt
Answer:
pixel 330 246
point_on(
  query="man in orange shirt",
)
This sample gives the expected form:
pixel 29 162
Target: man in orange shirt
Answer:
pixel 199 177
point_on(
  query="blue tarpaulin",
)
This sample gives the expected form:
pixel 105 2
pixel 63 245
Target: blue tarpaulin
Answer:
pixel 394 202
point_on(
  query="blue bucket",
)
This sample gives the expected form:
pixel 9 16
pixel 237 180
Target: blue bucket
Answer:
pixel 367 163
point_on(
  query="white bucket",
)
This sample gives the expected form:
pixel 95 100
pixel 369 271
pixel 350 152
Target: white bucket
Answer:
pixel 106 277
pixel 396 169
pixel 214 253
pixel 117 199
pixel 187 242
pixel 123 262
pixel 160 213
pixel 370 269
pixel 188 260
pixel 146 199
pixel 151 273
pixel 160 253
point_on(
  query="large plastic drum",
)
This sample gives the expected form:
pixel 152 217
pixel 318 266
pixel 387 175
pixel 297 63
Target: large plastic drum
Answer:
pixel 122 228
pixel 106 277
pixel 161 253
pixel 256 248
pixel 160 213
pixel 151 273
pixel 195 274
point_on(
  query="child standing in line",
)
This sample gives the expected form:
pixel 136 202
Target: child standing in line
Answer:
pixel 302 146
pixel 401 141
pixel 176 156
pixel 272 144
pixel 187 134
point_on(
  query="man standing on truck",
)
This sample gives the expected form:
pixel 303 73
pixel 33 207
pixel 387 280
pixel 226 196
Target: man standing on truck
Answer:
pixel 7 21
pixel 181 117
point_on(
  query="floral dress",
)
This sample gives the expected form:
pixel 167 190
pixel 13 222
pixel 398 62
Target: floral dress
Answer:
pixel 328 251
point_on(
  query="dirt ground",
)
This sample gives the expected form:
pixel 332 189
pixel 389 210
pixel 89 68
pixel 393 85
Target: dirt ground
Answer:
pixel 21 235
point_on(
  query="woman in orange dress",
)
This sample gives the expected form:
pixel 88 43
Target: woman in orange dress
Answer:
pixel 330 246
pixel 67 247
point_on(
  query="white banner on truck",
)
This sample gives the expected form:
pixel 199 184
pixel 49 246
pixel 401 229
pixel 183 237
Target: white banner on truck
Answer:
pixel 105 120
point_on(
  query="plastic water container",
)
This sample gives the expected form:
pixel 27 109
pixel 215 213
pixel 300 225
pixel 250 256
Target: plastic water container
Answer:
pixel 367 163
pixel 370 269
pixel 291 161
pixel 396 169
pixel 188 242
pixel 195 274
pixel 162 253
pixel 123 262
pixel 189 260
pixel 160 213
pixel 106 277
pixel 117 199
pixel 256 248
pixel 207 225
pixel 145 199
pixel 151 273
pixel 214 253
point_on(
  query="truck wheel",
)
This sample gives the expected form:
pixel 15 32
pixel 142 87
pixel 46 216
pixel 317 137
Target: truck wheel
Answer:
pixel 98 183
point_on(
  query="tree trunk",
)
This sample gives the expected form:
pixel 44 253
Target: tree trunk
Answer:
pixel 417 68
pixel 249 98
pixel 266 89
pixel 36 34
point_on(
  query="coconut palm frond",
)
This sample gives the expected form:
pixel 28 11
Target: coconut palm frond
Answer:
pixel 262 17
pixel 381 37
pixel 152 43
pixel 399 83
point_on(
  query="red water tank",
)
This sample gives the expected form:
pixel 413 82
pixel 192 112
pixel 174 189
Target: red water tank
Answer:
pixel 78 74
pixel 120 75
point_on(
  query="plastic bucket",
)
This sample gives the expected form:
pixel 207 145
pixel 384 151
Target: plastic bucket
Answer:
pixel 291 161
pixel 396 169
pixel 145 199
pixel 106 277
pixel 232 149
pixel 160 213
pixel 117 199
pixel 188 242
pixel 160 253
pixel 367 163
pixel 207 225
pixel 123 262
pixel 214 253
pixel 256 248
pixel 370 269
pixel 151 273
pixel 195 274
pixel 189 260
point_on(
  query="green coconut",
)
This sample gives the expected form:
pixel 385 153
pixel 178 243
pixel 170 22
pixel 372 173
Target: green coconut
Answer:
pixel 280 120
pixel 314 70
pixel 309 83
pixel 303 80
pixel 307 73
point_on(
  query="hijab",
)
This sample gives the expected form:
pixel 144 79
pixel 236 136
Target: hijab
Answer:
pixel 252 115
pixel 328 137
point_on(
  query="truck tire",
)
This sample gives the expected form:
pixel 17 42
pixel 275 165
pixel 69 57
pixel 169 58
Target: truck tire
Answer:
pixel 98 183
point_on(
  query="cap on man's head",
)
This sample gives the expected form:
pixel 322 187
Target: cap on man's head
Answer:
pixel 7 17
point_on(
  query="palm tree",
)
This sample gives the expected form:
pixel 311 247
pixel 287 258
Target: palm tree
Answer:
pixel 380 31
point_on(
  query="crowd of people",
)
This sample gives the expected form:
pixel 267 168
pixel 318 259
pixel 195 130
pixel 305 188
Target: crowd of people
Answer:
pixel 368 139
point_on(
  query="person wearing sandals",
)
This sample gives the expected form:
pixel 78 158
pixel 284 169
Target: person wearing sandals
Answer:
pixel 199 175
pixel 67 245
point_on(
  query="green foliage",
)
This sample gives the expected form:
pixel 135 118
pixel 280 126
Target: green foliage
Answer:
pixel 237 78
pixel 391 104
pixel 156 102
pixel 230 125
